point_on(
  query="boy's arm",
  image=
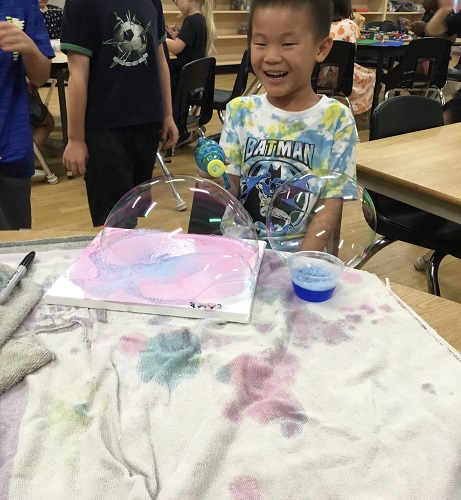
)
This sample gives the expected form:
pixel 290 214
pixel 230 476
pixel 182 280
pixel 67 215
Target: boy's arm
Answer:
pixel 76 153
pixel 341 160
pixel 323 225
pixel 170 133
pixel 37 65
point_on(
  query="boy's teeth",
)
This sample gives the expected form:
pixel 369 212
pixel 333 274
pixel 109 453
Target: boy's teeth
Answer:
pixel 276 73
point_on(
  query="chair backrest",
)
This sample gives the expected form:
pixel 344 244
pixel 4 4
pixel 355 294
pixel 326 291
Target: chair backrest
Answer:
pixel 432 54
pixel 241 79
pixel 405 114
pixel 385 26
pixel 341 57
pixel 195 88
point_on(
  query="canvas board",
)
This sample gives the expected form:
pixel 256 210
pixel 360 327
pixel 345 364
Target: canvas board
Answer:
pixel 145 271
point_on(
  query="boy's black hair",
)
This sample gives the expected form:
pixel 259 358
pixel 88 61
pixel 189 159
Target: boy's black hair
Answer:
pixel 342 9
pixel 319 14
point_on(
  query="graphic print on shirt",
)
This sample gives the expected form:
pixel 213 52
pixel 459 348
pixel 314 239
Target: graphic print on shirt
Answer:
pixel 272 162
pixel 20 24
pixel 130 39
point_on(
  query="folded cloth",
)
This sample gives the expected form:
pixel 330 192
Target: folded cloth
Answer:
pixel 18 357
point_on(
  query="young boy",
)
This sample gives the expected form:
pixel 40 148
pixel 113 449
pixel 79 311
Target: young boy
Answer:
pixel 290 129
pixel 119 98
pixel 24 51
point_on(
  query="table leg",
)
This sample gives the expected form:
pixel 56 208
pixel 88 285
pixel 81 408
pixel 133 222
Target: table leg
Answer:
pixel 63 108
pixel 62 103
pixel 379 79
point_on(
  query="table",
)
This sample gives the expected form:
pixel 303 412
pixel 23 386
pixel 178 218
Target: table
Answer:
pixel 422 169
pixel 379 51
pixel 357 385
pixel 58 65
pixel 441 314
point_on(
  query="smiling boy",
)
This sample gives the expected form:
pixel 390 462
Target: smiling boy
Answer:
pixel 290 129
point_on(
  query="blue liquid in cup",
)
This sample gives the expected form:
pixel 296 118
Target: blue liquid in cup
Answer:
pixel 314 283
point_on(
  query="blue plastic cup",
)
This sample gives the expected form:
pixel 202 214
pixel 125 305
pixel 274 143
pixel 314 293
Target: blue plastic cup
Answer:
pixel 314 274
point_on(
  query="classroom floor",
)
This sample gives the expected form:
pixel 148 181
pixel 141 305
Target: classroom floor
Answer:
pixel 63 206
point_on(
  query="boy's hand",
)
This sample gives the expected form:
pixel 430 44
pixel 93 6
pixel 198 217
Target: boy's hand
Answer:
pixel 13 39
pixel 170 134
pixel 75 157
pixel 219 180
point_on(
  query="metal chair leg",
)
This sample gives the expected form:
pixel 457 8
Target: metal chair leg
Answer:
pixel 180 203
pixel 50 176
pixel 433 273
pixel 251 86
pixel 50 91
pixel 422 262
pixel 375 247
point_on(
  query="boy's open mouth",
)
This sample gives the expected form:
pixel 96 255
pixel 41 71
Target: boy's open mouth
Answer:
pixel 276 75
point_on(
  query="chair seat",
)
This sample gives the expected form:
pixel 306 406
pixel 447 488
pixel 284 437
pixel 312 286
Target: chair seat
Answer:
pixel 454 73
pixel 403 222
pixel 221 98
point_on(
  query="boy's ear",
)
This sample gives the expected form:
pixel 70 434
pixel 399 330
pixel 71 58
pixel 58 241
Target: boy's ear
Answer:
pixel 323 48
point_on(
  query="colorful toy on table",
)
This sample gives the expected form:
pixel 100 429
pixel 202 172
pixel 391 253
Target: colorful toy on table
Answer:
pixel 209 157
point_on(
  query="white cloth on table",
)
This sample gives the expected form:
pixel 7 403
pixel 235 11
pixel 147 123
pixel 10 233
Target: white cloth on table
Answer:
pixel 19 356
pixel 354 398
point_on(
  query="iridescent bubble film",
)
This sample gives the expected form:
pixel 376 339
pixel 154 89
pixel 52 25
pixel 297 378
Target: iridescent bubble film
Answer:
pixel 330 213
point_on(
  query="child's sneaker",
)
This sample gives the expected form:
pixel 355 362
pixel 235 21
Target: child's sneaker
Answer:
pixel 189 137
pixel 38 176
pixel 54 145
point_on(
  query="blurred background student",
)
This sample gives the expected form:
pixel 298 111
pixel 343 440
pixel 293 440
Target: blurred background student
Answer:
pixel 25 51
pixel 42 120
pixel 194 40
pixel 52 15
pixel 345 28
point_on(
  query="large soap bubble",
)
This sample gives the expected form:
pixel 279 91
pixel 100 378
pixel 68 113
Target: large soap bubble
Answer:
pixel 330 213
pixel 175 240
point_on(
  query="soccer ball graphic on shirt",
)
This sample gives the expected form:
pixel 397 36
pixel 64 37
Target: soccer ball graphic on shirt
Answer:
pixel 130 39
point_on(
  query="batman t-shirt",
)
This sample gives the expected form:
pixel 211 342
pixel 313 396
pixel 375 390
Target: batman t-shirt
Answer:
pixel 267 146
pixel 121 38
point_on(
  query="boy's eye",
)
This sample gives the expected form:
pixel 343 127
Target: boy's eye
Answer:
pixel 288 44
pixel 259 44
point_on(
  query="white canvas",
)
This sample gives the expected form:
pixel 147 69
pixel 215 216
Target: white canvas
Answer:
pixel 193 276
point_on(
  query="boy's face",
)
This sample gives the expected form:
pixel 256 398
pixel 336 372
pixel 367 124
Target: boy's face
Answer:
pixel 283 54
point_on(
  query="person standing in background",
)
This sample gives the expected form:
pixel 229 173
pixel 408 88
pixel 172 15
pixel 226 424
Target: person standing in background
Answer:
pixel 119 97
pixel 25 51
pixel 42 119
pixel 53 18
pixel 345 28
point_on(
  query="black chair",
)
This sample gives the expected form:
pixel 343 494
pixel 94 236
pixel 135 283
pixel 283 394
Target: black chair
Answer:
pixel 192 106
pixel 341 57
pixel 222 97
pixel 384 26
pixel 193 101
pixel 397 221
pixel 454 74
pixel 431 51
